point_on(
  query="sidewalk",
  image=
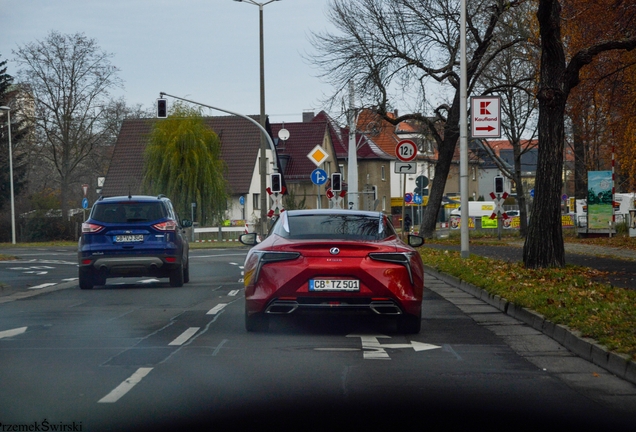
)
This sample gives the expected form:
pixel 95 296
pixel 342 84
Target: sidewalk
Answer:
pixel 554 348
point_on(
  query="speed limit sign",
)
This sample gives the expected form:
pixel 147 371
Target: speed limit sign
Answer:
pixel 406 150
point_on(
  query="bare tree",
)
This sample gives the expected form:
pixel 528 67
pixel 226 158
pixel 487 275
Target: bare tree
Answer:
pixel 391 49
pixel 70 78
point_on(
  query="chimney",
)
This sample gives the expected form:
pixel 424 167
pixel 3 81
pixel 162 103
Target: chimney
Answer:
pixel 308 116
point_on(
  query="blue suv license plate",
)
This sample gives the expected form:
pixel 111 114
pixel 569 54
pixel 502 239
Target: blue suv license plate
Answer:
pixel 129 238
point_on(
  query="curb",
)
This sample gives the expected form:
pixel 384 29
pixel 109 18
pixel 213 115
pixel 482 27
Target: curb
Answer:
pixel 588 349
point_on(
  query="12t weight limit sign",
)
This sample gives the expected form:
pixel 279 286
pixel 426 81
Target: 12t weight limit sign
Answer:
pixel 406 150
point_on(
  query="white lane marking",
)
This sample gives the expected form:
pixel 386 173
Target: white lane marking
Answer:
pixel 185 336
pixel 149 280
pixel 233 292
pixel 216 309
pixel 42 286
pixel 125 386
pixel 12 332
pixel 373 350
pixel 70 279
pixel 233 263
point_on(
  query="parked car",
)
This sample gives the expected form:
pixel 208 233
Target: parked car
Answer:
pixel 336 260
pixel 128 236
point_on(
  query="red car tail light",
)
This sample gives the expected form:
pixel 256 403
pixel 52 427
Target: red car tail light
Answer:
pixel 90 228
pixel 166 226
pixel 397 258
pixel 265 257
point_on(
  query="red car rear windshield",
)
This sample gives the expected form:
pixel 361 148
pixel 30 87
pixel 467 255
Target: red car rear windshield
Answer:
pixel 335 226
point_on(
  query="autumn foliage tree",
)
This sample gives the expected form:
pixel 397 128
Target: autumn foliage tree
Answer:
pixel 560 73
pixel 602 108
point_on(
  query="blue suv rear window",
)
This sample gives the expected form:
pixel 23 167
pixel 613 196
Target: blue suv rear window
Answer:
pixel 128 212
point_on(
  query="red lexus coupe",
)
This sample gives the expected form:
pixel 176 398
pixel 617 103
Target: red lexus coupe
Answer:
pixel 337 260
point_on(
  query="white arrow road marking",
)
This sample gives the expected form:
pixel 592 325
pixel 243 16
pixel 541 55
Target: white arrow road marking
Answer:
pixel 233 292
pixel 216 309
pixel 417 346
pixel 44 285
pixel 125 387
pixel 12 332
pixel 373 350
pixel 183 338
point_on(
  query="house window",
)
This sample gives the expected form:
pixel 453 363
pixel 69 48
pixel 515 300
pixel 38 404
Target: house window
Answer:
pixel 384 203
pixel 382 173
pixel 256 204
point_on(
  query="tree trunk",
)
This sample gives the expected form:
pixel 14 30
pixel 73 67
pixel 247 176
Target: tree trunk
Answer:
pixel 580 167
pixel 544 244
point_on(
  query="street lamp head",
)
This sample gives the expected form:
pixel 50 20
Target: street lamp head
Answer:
pixel 5 108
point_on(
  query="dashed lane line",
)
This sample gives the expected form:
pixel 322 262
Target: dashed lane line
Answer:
pixel 216 309
pixel 183 338
pixel 125 386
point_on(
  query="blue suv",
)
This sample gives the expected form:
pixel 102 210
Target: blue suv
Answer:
pixel 133 236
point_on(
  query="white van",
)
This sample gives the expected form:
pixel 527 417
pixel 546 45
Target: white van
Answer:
pixel 477 209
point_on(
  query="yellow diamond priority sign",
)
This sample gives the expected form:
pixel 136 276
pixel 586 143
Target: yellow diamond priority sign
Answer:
pixel 318 155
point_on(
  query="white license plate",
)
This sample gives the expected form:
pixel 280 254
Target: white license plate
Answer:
pixel 334 285
pixel 129 238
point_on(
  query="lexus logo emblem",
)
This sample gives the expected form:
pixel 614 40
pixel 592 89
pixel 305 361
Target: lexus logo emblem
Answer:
pixel 334 251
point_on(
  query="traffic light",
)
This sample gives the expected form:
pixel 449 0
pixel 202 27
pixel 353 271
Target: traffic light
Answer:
pixel 162 108
pixel 499 184
pixel 336 182
pixel 277 184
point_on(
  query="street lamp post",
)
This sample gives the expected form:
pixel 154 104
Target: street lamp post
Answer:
pixel 263 161
pixel 8 110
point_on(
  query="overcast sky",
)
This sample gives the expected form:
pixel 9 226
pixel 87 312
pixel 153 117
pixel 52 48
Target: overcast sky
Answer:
pixel 204 50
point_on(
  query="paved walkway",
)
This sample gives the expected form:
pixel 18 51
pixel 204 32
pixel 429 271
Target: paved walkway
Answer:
pixel 607 378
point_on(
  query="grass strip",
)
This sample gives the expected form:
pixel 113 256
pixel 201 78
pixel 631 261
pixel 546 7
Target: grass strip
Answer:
pixel 568 295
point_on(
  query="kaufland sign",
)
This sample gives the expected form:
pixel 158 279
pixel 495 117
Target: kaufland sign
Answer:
pixel 485 116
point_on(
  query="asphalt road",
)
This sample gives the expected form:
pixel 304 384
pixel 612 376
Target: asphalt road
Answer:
pixel 140 355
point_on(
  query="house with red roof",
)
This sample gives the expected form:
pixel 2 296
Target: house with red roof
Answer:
pixel 240 149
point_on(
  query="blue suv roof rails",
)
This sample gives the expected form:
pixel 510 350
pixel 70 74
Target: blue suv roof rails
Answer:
pixel 160 196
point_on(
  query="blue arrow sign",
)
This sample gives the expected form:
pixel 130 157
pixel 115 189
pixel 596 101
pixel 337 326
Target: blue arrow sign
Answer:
pixel 319 176
pixel 417 199
pixel 85 203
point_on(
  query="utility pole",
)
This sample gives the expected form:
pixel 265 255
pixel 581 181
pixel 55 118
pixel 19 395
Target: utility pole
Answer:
pixel 352 166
